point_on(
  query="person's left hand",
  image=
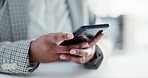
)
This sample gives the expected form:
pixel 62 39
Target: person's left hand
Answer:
pixel 84 52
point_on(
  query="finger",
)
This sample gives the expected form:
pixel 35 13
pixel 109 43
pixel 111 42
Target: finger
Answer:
pixel 63 49
pixel 66 49
pixel 80 45
pixel 81 52
pixel 76 59
pixel 56 37
pixel 96 38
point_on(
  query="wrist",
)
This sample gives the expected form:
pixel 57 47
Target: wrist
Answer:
pixel 31 51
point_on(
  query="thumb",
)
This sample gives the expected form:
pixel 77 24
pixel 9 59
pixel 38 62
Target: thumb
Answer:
pixel 97 37
pixel 57 37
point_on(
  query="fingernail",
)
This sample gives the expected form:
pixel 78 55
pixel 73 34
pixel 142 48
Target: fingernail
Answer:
pixel 70 36
pixel 62 57
pixel 72 51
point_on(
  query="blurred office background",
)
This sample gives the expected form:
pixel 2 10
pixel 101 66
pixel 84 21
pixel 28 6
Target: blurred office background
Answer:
pixel 128 31
pixel 128 21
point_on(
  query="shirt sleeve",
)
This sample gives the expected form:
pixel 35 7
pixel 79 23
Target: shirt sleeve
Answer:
pixel 95 62
pixel 14 57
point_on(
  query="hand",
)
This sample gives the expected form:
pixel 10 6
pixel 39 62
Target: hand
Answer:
pixel 84 53
pixel 45 48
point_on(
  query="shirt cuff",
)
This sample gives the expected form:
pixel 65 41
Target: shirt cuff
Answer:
pixel 96 61
pixel 33 65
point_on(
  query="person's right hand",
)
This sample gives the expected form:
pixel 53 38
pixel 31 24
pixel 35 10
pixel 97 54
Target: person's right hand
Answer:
pixel 45 48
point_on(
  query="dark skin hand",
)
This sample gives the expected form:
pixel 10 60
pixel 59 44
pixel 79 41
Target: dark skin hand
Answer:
pixel 46 50
pixel 85 51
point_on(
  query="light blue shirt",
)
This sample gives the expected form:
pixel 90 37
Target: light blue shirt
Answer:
pixel 48 16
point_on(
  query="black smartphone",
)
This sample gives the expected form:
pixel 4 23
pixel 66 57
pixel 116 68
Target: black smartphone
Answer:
pixel 85 33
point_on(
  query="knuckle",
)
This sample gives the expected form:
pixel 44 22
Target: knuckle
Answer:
pixel 77 60
pixel 78 52
pixel 68 58
pixel 65 49
pixel 97 39
pixel 64 36
pixel 80 60
pixel 82 53
pixel 55 37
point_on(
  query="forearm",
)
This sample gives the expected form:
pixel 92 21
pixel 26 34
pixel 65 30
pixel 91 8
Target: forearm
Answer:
pixel 14 57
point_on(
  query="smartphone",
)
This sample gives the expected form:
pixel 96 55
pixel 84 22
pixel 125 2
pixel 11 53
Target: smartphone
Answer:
pixel 85 33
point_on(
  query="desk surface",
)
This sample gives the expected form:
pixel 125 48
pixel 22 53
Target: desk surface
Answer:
pixel 117 66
